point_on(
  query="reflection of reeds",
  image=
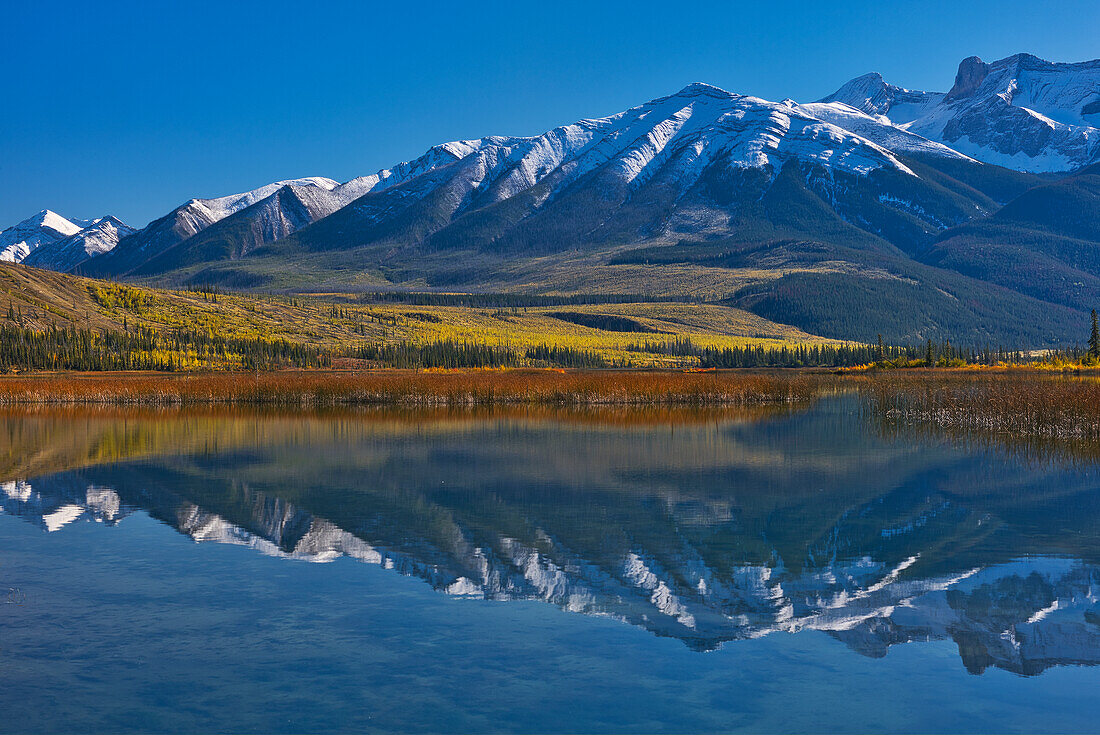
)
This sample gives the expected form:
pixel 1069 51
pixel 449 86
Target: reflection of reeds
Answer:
pixel 40 439
pixel 1031 451
pixel 1035 416
pixel 406 388
pixel 625 416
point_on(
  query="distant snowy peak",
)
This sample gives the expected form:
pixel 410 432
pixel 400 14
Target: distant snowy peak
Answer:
pixel 221 207
pixel 99 237
pixel 740 131
pixel 703 125
pixel 288 209
pixel 871 94
pixel 1020 112
pixel 240 223
pixel 20 240
pixel 191 218
pixel 197 214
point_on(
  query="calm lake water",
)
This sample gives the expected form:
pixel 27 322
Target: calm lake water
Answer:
pixel 770 571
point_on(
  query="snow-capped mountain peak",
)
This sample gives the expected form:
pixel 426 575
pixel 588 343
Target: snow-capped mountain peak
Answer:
pixel 878 128
pixel 871 94
pixel 52 220
pixel 696 89
pixel 218 208
pixel 99 237
pixel 698 126
pixel 20 240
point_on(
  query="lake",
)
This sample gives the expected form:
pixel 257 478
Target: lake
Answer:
pixel 811 568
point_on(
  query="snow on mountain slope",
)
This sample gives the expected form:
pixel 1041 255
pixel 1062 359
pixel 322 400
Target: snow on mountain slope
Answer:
pixel 221 207
pixel 266 208
pixel 1066 93
pixel 100 237
pixel 878 129
pixel 677 137
pixel 1020 112
pixel 198 214
pixel 188 219
pixel 322 196
pixel 703 124
pixel 294 205
pixel 20 240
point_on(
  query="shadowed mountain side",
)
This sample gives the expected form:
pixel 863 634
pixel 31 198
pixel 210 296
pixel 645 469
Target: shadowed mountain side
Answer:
pixel 873 212
pixel 1045 243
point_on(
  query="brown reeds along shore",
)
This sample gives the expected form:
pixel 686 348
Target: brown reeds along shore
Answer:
pixel 409 388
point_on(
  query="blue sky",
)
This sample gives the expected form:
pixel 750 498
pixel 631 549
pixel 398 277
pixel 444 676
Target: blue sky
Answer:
pixel 131 108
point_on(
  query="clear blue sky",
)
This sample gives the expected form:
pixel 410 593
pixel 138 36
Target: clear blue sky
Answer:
pixel 131 108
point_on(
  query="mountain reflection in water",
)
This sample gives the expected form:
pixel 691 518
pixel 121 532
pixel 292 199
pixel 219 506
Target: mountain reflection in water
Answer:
pixel 736 526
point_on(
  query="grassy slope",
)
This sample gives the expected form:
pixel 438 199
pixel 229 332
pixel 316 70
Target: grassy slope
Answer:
pixel 41 298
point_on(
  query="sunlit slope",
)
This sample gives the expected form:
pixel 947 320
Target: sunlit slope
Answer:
pixel 37 299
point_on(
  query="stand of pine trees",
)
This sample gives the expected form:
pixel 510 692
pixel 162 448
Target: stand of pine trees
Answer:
pixel 833 356
pixel 78 349
pixel 57 348
pixel 565 357
pixel 444 354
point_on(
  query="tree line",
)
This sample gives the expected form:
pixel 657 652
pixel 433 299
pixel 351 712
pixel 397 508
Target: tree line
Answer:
pixel 931 354
pixel 461 354
pixel 142 348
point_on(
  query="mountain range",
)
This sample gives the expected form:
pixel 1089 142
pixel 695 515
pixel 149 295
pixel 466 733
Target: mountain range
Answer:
pixel 969 214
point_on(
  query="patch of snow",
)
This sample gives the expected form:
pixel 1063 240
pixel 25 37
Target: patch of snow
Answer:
pixel 62 517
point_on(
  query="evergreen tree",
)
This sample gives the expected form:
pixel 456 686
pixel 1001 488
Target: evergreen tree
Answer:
pixel 1094 338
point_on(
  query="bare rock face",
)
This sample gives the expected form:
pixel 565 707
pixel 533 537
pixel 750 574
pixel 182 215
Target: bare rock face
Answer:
pixel 972 72
pixel 1020 112
pixel 998 126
